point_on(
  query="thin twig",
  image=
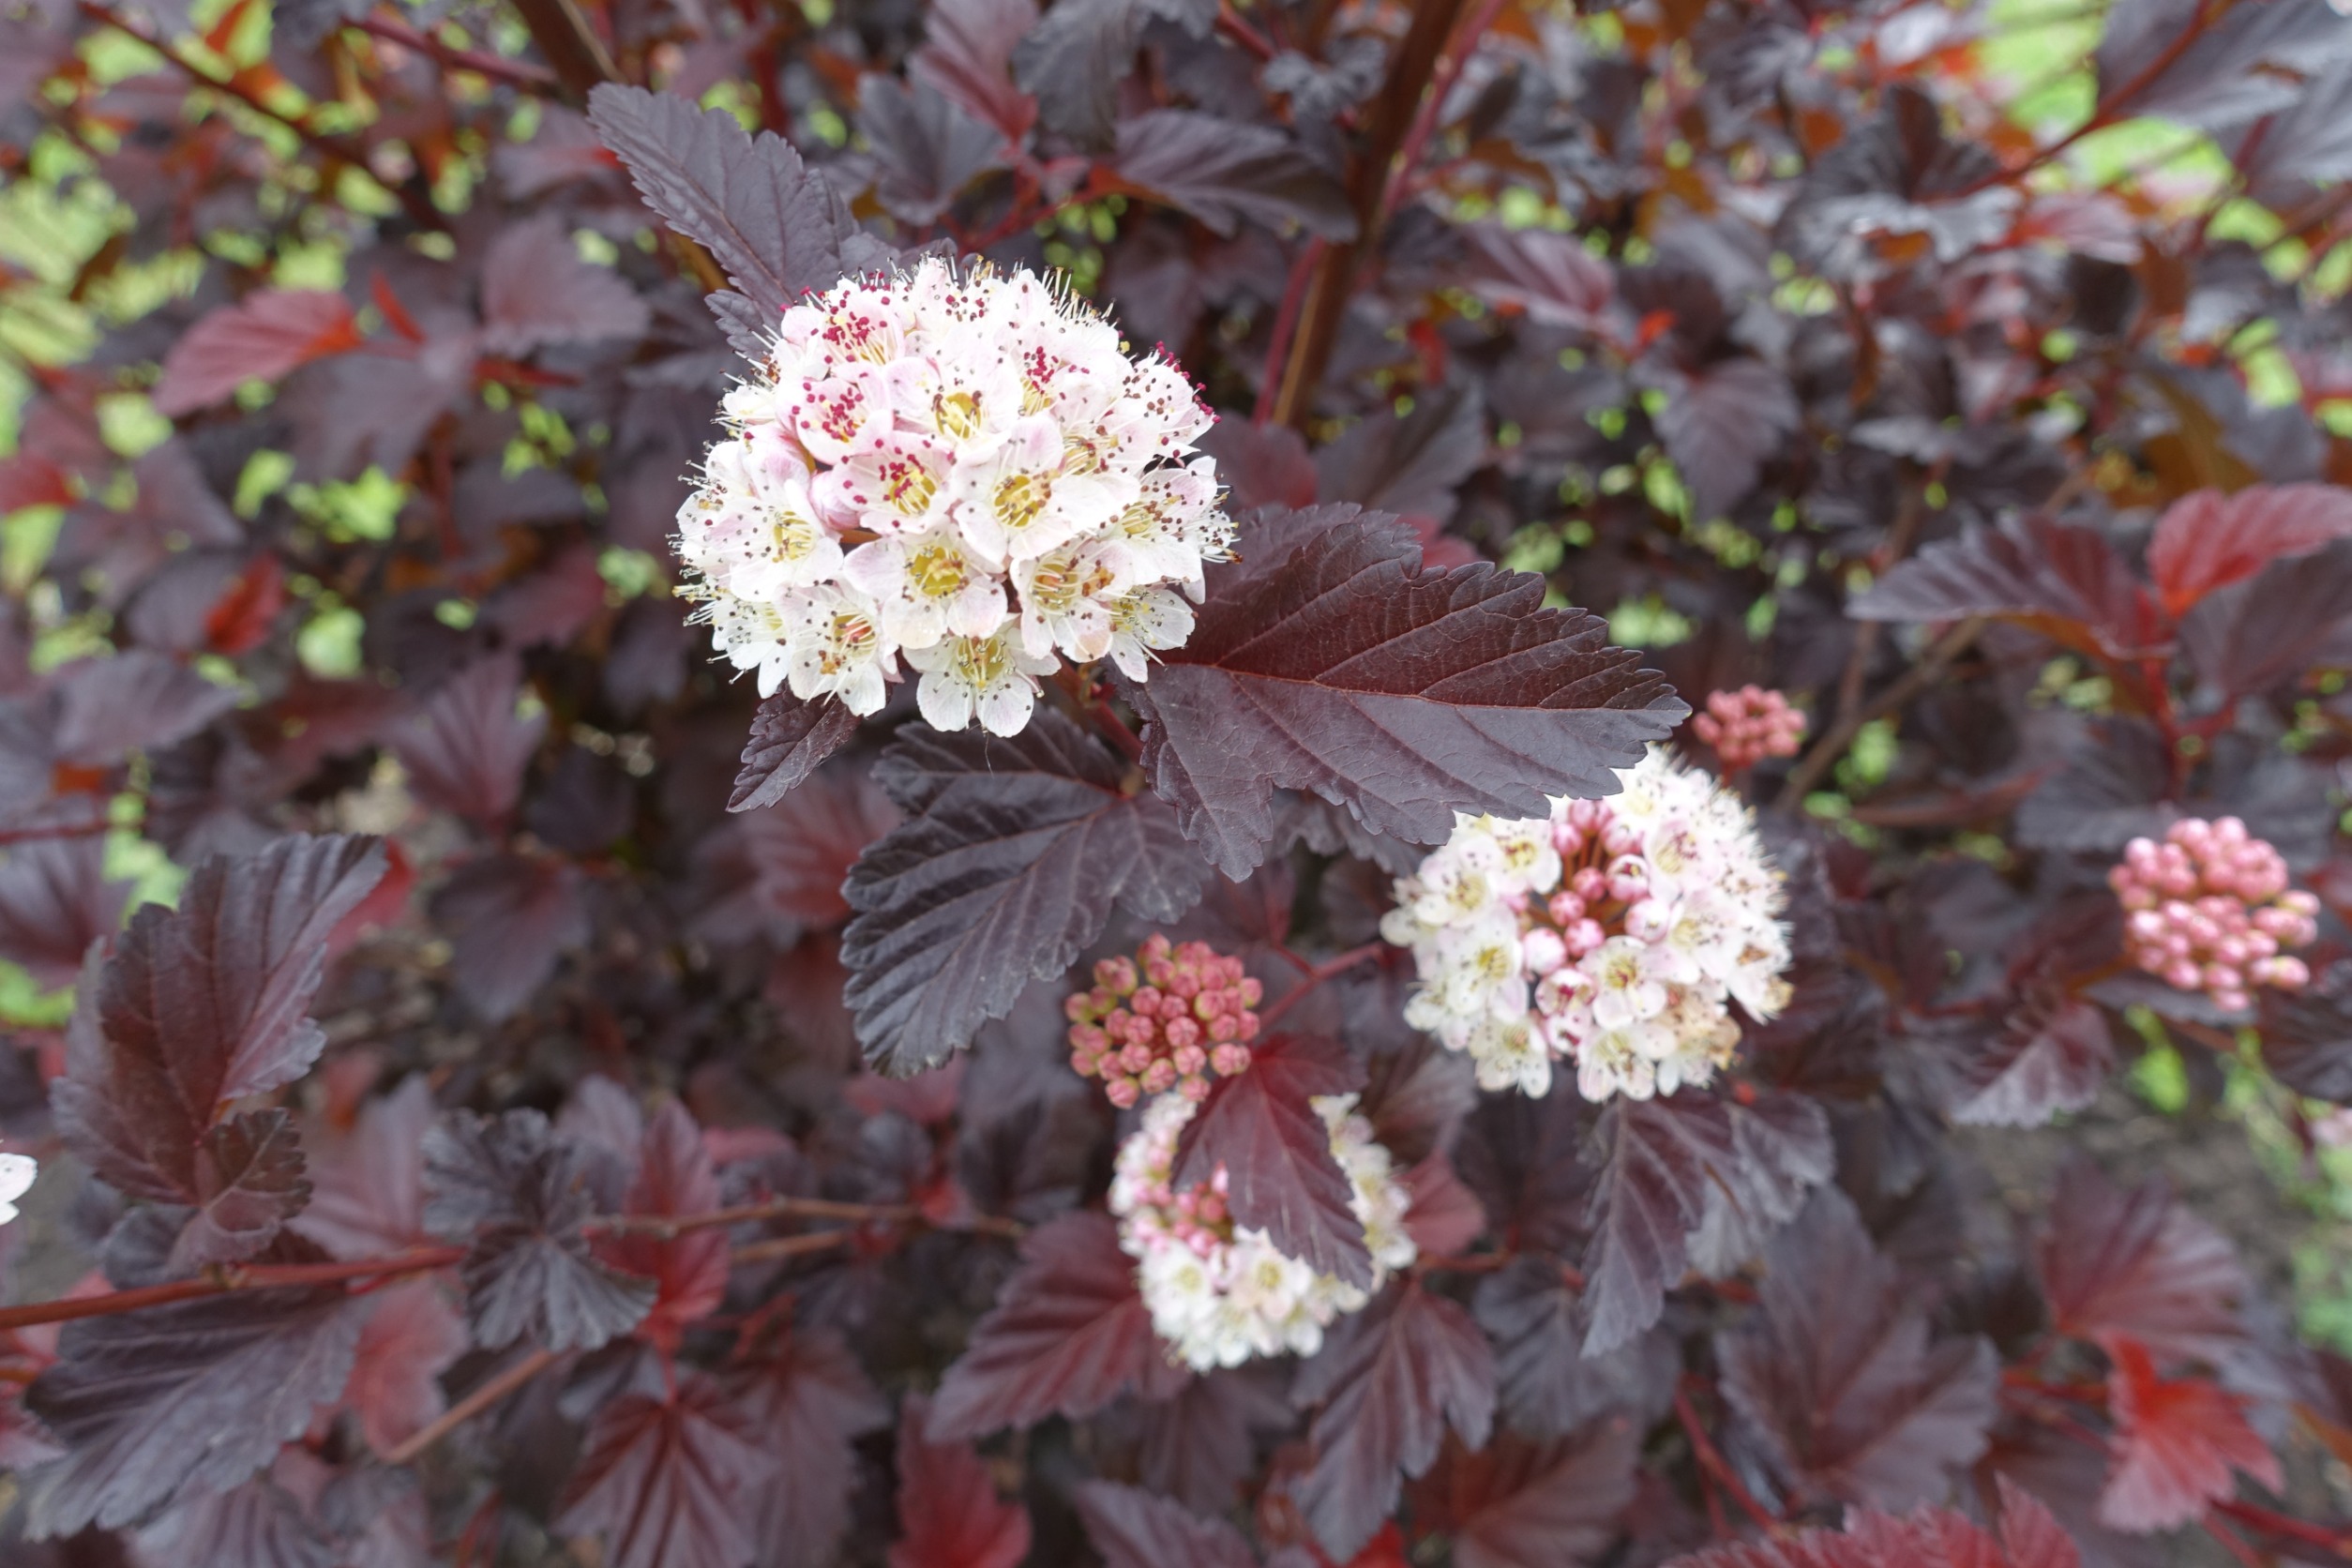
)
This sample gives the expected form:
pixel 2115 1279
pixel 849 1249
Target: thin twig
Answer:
pixel 256 1276
pixel 777 1247
pixel 473 1404
pixel 666 1227
pixel 1833 745
pixel 498 68
pixel 1315 977
pixel 1713 1462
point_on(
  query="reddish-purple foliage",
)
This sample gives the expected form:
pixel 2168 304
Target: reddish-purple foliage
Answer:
pixel 571 1107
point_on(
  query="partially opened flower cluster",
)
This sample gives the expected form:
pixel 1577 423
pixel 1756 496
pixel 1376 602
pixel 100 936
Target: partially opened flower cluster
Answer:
pixel 962 466
pixel 1748 725
pixel 1220 1293
pixel 2209 909
pixel 1614 934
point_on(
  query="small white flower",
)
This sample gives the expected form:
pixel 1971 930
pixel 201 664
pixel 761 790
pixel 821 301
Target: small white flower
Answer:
pixel 992 677
pixel 1066 598
pixel 1018 502
pixel 837 647
pixel 1141 624
pixel 17 1173
pixel 929 585
pixel 1626 988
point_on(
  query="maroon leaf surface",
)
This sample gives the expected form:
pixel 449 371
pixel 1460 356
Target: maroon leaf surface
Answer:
pixel 201 1006
pixel 1519 1504
pixel 775 229
pixel 1013 854
pixel 1392 1381
pixel 1325 659
pixel 949 1514
pixel 967 54
pixel 248 1182
pixel 1720 423
pixel 1651 1194
pixel 182 1400
pixel 2176 1442
pixel 1276 1151
pixel 2048 1056
pixel 368 1182
pixel 674 1177
pixel 1068 1334
pixel 2029 1538
pixel 520 1195
pixel 537 290
pixel 2139 1264
pixel 1840 1377
pixel 55 900
pixel 1224 170
pixel 2062 579
pixel 2210 539
pixel 667 1482
pixel 466 747
pixel 1132 1528
pixel 263 336
pixel 412 1336
pixel 788 739
pixel 137 700
pixel 806 1401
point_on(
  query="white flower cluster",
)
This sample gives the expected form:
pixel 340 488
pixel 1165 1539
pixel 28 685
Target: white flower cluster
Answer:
pixel 960 465
pixel 1220 1293
pixel 1613 934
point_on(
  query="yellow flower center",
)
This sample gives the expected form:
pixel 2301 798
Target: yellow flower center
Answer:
pixel 1020 501
pixel 937 571
pixel 956 413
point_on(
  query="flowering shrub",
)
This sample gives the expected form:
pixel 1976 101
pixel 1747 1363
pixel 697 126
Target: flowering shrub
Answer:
pixel 788 784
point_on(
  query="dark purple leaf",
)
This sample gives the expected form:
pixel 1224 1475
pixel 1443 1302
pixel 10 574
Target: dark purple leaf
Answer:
pixel 949 1514
pixel 967 54
pixel 182 1400
pixel 2210 539
pixel 2175 1443
pixel 804 1405
pixel 1260 1129
pixel 1721 425
pixel 2030 1538
pixel 248 1182
pixel 367 1183
pixel 138 701
pixel 1391 1379
pixel 509 918
pixel 788 739
pixel 2139 1264
pixel 674 1176
pixel 55 900
pixel 258 1524
pixel 1838 1374
pixel 1067 1335
pixel 1525 1160
pixel 2252 637
pixel 1198 1446
pixel 1261 465
pixel 1009 863
pixel 537 290
pixel 466 747
pixel 1132 1528
pixel 668 1483
pixel 2237 69
pixel 201 1006
pixel 519 1195
pixel 2307 1036
pixel 2048 1056
pixel 263 336
pixel 1781 1150
pixel 1325 659
pixel 1222 172
pixel 1661 1164
pixel 412 1336
pixel 1410 466
pixel 1074 60
pixel 2062 579
pixel 1519 1504
pixel 1550 275
pixel 1531 1312
pixel 925 148
pixel 800 850
pixel 775 230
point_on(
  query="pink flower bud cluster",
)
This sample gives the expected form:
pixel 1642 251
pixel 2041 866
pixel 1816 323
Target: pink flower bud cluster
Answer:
pixel 1169 1018
pixel 2209 909
pixel 1748 725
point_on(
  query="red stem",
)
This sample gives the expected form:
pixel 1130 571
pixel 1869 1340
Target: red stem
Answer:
pixel 1315 977
pixel 517 73
pixel 1713 1462
pixel 1426 119
pixel 76 830
pixel 257 1276
pixel 1286 329
pixel 2337 1540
